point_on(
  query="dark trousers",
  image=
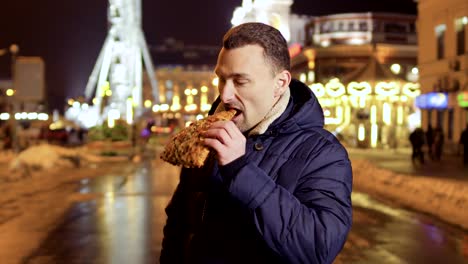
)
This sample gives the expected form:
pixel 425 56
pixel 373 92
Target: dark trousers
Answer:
pixel 417 154
pixel 430 151
pixel 438 151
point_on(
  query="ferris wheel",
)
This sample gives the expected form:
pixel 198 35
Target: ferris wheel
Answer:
pixel 117 77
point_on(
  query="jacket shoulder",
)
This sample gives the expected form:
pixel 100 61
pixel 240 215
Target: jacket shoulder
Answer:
pixel 318 142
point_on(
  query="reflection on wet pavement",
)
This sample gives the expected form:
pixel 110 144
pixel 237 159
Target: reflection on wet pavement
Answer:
pixel 400 236
pixel 113 221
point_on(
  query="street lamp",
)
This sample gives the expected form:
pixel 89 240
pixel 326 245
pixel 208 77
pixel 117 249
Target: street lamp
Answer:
pixel 10 92
pixel 14 50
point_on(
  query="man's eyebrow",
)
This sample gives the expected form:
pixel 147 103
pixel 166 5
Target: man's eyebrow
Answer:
pixel 232 75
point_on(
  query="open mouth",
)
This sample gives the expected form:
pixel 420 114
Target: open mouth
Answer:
pixel 238 112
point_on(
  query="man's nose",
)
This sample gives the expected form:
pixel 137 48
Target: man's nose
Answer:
pixel 227 92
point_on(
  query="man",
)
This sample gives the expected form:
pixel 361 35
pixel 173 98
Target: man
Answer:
pixel 438 142
pixel 417 142
pixel 278 190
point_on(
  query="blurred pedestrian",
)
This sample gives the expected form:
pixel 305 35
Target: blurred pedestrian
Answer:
pixel 430 141
pixel 438 142
pixel 8 138
pixel 464 142
pixel 417 139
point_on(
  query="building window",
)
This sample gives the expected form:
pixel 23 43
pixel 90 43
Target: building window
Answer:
pixel 394 28
pixel 440 40
pixel 363 26
pixel 310 31
pixel 326 27
pixel 460 29
pixel 412 28
pixel 340 27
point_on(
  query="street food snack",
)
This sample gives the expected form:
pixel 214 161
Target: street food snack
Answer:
pixel 186 148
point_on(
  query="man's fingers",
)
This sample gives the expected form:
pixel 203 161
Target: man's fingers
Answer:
pixel 214 143
pixel 228 126
pixel 217 133
pixel 226 139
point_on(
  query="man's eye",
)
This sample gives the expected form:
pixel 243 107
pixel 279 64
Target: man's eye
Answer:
pixel 241 82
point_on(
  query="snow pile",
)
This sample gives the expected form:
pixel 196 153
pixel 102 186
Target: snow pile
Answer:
pixel 48 157
pixel 445 198
pixel 43 157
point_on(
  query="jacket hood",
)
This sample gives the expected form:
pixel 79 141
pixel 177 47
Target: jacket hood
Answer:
pixel 303 111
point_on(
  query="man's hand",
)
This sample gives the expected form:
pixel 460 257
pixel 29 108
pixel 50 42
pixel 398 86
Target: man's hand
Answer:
pixel 227 140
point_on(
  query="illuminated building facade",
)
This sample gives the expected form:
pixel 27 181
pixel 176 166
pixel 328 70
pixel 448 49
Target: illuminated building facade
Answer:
pixel 25 92
pixel 362 67
pixel 443 65
pixel 185 94
pixel 186 83
pixel 271 12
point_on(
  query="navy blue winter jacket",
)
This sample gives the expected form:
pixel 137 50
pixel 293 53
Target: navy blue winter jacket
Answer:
pixel 287 200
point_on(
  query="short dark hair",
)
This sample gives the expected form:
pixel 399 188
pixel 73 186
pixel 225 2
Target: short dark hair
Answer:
pixel 275 47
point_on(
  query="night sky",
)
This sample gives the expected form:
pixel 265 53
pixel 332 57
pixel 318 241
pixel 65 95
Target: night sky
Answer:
pixel 69 34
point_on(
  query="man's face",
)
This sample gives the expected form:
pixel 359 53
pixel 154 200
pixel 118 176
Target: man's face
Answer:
pixel 246 83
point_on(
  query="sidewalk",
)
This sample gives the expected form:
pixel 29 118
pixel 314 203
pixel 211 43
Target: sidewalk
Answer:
pixel 399 161
pixel 438 188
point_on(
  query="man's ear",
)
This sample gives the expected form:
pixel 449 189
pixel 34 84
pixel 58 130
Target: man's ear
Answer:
pixel 282 81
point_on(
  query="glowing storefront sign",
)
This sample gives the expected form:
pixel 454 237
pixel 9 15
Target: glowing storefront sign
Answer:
pixel 354 101
pixel 411 89
pixel 374 135
pixel 387 88
pixel 360 89
pixel 400 115
pixel 318 89
pixel 373 114
pixel 387 114
pixel 335 88
pixel 338 119
pixel 432 100
pixel 463 99
pixel 362 101
pixel 361 132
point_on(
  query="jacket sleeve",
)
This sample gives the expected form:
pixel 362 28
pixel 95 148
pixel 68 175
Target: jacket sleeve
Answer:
pixel 308 225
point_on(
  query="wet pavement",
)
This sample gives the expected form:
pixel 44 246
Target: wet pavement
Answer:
pixel 118 218
pixel 384 233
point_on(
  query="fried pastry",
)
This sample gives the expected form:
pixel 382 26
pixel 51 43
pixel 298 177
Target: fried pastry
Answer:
pixel 186 148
